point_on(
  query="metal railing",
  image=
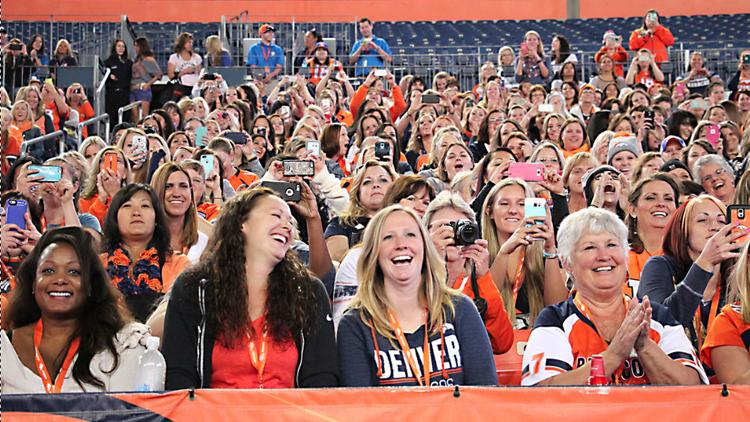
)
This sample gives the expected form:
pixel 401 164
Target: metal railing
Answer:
pixel 98 92
pixel 54 135
pixel 121 111
pixel 94 121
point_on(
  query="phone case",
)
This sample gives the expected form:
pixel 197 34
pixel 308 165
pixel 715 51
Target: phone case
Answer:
pixel 110 162
pixel 741 213
pixel 200 133
pixel 313 147
pixel 535 207
pixel 50 174
pixel 15 212
pixel 529 172
pixel 207 162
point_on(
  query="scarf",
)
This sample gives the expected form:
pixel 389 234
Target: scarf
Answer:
pixel 146 274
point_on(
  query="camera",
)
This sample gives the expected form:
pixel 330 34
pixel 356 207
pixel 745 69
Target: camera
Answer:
pixel 209 77
pixel 149 130
pixel 382 150
pixel 465 232
pixel 298 168
pixel 15 47
pixel 288 191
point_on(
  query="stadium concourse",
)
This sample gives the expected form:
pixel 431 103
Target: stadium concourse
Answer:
pixel 202 220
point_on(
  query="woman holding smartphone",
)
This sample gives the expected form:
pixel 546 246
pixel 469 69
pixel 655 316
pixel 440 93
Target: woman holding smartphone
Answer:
pixel 652 36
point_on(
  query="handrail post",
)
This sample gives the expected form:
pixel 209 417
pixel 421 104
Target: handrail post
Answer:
pixel 130 106
pixel 94 120
pixel 57 134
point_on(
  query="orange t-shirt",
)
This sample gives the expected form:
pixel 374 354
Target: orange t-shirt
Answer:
pixel 496 320
pixel 85 112
pixel 233 367
pixel 209 211
pixel 242 179
pixel 636 262
pixel 94 207
pixel 728 329
pixel 53 112
pixel 584 148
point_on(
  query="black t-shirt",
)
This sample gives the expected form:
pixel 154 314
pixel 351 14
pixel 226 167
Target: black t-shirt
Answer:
pixel 352 233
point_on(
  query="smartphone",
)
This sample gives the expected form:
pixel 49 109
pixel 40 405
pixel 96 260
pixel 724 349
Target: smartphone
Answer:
pixel 741 213
pixel 746 59
pixel 380 73
pixel 430 99
pixel 284 112
pixel 49 81
pixel 649 115
pixel 110 162
pixel 644 57
pixel 238 138
pixel 697 104
pixel 546 108
pixel 313 147
pixel 653 16
pixel 200 136
pixel 207 161
pixel 326 104
pixel 49 174
pixel 680 88
pixel 304 71
pixel 529 172
pixel 298 168
pixel 209 77
pixel 15 212
pixel 382 150
pixel 713 135
pixel 535 208
pixel 140 144
pixel 524 48
pixel 288 191
pixel 15 47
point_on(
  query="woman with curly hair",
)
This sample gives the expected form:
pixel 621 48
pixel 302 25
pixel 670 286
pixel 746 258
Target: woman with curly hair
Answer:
pixel 249 314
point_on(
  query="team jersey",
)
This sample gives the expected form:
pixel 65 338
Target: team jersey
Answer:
pixel 636 262
pixel 728 329
pixel 564 339
pixel 242 179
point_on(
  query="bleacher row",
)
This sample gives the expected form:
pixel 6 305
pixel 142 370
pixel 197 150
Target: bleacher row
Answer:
pixel 697 32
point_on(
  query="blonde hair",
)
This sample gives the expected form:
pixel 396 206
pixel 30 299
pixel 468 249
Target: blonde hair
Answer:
pixel 29 112
pixel 574 161
pixel 65 43
pixel 22 94
pixel 434 160
pixel 740 282
pixel 540 46
pixel 89 188
pixel 416 143
pixel 533 263
pixel 371 299
pixel 356 209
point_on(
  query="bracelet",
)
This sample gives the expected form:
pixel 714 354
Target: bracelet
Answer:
pixel 553 255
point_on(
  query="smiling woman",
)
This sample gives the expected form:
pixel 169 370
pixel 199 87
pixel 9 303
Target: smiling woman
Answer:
pixel 405 327
pixel 250 292
pixel 66 329
pixel 138 256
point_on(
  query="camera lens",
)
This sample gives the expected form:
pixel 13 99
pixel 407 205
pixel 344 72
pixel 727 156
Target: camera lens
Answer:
pixel 289 192
pixel 465 232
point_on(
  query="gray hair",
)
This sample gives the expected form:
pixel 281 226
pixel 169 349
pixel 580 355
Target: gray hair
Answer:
pixel 710 159
pixel 446 199
pixel 588 220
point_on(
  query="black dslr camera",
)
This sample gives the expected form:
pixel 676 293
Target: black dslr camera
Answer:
pixel 465 232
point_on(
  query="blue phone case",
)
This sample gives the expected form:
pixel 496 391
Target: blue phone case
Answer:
pixel 50 174
pixel 15 212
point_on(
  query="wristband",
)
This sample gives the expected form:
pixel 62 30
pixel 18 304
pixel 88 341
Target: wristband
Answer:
pixel 553 255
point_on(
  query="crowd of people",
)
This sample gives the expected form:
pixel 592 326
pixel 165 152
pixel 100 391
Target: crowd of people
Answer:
pixel 328 229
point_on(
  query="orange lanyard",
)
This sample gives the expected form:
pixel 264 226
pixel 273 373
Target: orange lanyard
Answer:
pixel 259 360
pixel 698 320
pixel 42 368
pixel 585 311
pixel 11 278
pixel 266 55
pixel 518 281
pixel 407 350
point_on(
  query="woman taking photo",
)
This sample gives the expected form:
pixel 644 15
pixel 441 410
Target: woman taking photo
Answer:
pixel 184 66
pixel 468 265
pixel 523 255
pixel 653 37
pixel 103 182
pixel 65 330
pixel 249 314
pixel 725 349
pixel 120 78
pixel 690 278
pixel 146 71
pixel 371 181
pixel 532 66
pixel 138 256
pixel 402 307
pixel 593 250
pixel 172 184
pixel 650 205
pixel 643 70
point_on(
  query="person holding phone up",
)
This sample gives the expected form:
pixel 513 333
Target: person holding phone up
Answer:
pixel 532 65
pixel 643 70
pixel 652 36
pixel 369 52
pixel 76 96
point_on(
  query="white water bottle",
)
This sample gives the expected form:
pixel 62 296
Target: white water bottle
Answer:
pixel 152 368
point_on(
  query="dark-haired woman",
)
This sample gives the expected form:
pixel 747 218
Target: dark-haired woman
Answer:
pixel 249 314
pixel 184 65
pixel 560 53
pixel 118 84
pixel 66 329
pixel 138 256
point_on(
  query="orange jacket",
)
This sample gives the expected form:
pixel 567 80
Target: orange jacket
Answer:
pixel 496 321
pixel 656 43
pixel 399 105
pixel 242 179
pixel 94 207
pixel 85 112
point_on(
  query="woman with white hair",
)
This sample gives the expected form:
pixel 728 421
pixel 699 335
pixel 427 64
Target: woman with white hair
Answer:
pixel 405 326
pixel 639 342
pixel 716 176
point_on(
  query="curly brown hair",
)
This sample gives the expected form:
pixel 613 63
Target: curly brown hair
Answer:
pixel 291 303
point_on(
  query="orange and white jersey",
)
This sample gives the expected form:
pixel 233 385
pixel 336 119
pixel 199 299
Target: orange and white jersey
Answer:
pixel 564 339
pixel 728 329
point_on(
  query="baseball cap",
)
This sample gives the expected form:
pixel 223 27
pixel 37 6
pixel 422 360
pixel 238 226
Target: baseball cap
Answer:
pixel 618 145
pixel 608 34
pixel 590 176
pixel 587 86
pixel 266 27
pixel 321 44
pixel 673 165
pixel 671 138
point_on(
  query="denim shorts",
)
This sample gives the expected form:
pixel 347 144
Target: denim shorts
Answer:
pixel 140 95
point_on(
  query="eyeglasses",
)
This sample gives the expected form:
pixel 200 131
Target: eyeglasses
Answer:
pixel 709 178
